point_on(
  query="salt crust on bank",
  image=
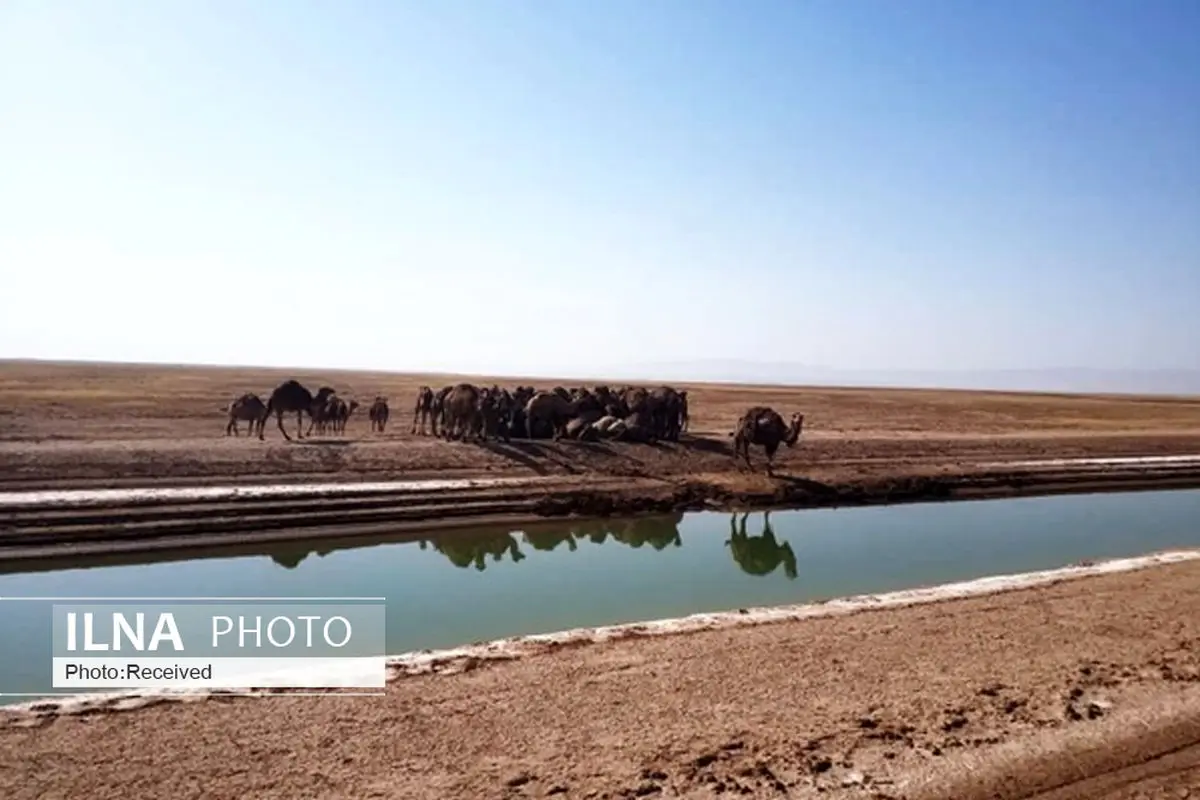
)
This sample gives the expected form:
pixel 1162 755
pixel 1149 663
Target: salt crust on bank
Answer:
pixel 460 659
pixel 83 497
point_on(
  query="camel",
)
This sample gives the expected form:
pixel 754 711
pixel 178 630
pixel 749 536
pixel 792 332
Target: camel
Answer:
pixel 323 415
pixel 339 412
pixel 763 426
pixel 247 408
pixel 461 412
pixel 762 554
pixel 579 428
pixel 557 410
pixel 290 396
pixel 423 410
pixel 495 417
pixel 437 410
pixel 378 414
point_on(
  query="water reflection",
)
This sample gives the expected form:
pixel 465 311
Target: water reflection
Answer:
pixel 466 548
pixel 659 531
pixel 761 554
pixel 473 547
pixel 290 555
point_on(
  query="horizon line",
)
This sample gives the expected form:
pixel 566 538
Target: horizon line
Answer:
pixel 948 372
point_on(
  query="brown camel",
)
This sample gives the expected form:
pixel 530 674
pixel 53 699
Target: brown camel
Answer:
pixel 461 412
pixel 247 408
pixel 378 414
pixel 763 426
pixel 555 409
pixel 437 410
pixel 339 412
pixel 321 415
pixel 423 410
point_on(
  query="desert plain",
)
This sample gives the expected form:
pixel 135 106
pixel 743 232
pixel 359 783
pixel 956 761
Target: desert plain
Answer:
pixel 1087 688
pixel 92 425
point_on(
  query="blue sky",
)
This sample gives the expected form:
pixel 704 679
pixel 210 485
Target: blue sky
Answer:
pixel 537 187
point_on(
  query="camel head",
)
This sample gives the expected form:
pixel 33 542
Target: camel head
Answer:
pixel 793 434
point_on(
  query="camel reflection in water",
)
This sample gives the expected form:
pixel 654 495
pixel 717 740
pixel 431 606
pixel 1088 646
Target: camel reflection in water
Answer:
pixel 290 556
pixel 762 554
pixel 756 555
pixel 467 548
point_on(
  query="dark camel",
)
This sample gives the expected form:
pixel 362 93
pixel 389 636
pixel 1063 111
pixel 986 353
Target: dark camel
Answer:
pixel 423 409
pixel 247 408
pixel 378 414
pixel 290 396
pixel 764 427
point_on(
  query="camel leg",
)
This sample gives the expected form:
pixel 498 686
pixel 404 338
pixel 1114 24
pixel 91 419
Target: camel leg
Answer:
pixel 300 425
pixel 279 422
pixel 743 449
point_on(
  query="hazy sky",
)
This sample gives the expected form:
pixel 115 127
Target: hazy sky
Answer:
pixel 525 185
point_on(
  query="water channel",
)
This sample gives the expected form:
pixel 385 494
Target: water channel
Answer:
pixel 473 585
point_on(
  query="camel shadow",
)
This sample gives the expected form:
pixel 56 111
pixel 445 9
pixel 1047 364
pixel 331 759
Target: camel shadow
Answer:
pixel 518 453
pixel 807 484
pixel 695 444
pixel 705 444
pixel 307 442
pixel 530 454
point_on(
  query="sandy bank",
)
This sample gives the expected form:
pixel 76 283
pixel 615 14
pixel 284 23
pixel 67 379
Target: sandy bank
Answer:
pixel 880 703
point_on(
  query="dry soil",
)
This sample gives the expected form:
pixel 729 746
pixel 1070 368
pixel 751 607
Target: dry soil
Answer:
pixel 1088 689
pixel 105 425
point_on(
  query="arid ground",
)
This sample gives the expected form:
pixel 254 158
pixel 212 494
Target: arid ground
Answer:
pixel 1088 689
pixel 1071 691
pixel 90 426
pixel 109 425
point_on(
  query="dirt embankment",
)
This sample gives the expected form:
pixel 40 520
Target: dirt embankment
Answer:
pixel 98 426
pixel 145 524
pixel 1088 689
pixel 105 426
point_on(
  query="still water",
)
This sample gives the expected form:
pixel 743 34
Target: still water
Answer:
pixel 474 585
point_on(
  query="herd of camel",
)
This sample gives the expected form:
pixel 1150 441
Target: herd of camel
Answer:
pixel 467 412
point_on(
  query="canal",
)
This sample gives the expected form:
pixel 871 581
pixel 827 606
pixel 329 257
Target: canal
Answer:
pixel 472 585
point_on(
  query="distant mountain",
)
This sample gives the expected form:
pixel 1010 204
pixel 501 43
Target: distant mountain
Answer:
pixel 1067 379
